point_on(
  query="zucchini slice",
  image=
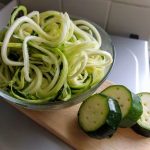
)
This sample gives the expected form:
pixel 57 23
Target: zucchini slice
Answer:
pixel 130 104
pixel 142 126
pixel 99 116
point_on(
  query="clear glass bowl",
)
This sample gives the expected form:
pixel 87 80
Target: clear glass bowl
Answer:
pixel 106 45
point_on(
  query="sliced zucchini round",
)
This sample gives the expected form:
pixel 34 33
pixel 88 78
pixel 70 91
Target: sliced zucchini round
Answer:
pixel 142 126
pixel 130 104
pixel 99 116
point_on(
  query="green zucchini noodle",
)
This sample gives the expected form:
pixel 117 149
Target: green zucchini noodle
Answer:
pixel 47 56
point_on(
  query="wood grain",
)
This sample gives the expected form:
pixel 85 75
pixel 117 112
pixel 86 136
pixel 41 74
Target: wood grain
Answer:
pixel 63 123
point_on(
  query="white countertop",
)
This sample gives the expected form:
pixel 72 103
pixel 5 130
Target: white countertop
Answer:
pixel 131 67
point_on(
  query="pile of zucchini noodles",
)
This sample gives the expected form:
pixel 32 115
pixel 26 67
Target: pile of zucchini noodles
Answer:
pixel 47 56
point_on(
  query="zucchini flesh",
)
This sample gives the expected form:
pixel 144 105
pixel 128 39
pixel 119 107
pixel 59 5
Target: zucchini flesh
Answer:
pixel 17 13
pixel 93 113
pixel 99 116
pixel 142 126
pixel 130 104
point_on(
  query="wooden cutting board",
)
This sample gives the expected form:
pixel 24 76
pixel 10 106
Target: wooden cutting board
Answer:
pixel 63 124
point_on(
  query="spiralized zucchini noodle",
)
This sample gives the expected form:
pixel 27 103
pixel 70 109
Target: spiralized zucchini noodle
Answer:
pixel 48 56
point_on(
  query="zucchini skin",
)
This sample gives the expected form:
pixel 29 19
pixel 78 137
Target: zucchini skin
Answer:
pixel 18 12
pixel 135 110
pixel 140 130
pixel 103 132
pixel 112 121
pixel 138 127
pixel 134 113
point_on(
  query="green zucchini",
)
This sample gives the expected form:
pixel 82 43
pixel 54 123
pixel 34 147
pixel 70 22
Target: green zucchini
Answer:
pixel 99 116
pixel 130 104
pixel 18 12
pixel 142 126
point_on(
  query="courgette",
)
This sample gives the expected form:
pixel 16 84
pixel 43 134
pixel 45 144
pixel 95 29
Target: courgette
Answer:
pixel 142 126
pixel 18 12
pixel 129 102
pixel 99 116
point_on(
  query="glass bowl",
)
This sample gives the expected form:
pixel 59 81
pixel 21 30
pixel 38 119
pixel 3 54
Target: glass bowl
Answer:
pixel 106 45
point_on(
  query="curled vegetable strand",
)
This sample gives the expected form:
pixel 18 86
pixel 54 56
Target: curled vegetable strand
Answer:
pixel 47 56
